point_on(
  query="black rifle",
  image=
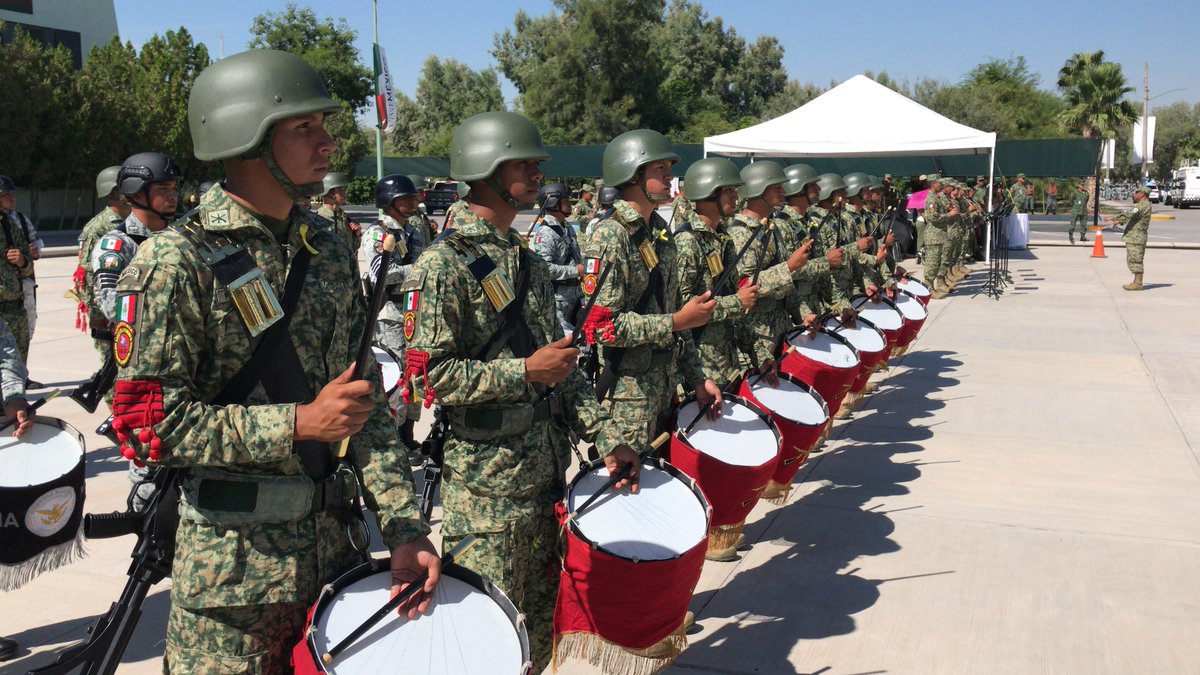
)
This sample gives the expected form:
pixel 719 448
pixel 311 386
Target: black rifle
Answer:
pixel 731 268
pixel 433 449
pixel 155 527
pixel 90 393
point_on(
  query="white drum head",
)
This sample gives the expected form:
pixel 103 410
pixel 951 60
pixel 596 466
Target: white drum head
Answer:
pixel 662 521
pixel 862 337
pixel 912 308
pixel 913 286
pixel 465 631
pixel 47 452
pixel 823 349
pixel 738 438
pixel 390 369
pixel 790 401
pixel 883 315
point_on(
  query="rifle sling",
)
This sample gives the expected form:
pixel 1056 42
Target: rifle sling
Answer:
pixel 613 356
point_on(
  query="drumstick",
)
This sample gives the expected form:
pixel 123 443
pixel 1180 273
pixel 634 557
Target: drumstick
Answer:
pixel 37 404
pixel 376 304
pixel 620 475
pixel 759 376
pixel 707 406
pixel 416 585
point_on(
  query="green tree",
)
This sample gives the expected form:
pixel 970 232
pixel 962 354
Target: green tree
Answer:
pixel 447 93
pixel 1095 92
pixel 1176 136
pixel 167 68
pixel 328 46
pixel 792 96
pixel 109 116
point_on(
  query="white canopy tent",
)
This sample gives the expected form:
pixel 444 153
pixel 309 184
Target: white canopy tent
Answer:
pixel 858 118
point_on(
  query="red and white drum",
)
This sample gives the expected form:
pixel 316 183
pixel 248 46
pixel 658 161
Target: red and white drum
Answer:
pixel 731 458
pixel 631 561
pixel 868 340
pixel 801 415
pixel 915 288
pixel 882 313
pixel 914 317
pixel 390 373
pixel 471 627
pixel 823 360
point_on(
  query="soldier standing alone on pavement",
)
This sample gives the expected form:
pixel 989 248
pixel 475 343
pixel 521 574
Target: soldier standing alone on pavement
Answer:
pixel 1137 231
pixel 17 266
pixel 555 241
pixel 1079 206
pixel 264 512
pixel 484 344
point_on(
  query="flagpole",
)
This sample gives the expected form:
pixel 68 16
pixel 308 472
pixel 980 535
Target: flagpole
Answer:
pixel 378 120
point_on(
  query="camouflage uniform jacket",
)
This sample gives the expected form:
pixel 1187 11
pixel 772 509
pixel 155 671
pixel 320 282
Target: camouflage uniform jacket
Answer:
pixel 1079 203
pixel 639 332
pixel 100 224
pixel 111 255
pixel 777 291
pixel 582 212
pixel 703 254
pixel 937 207
pixel 187 340
pixel 514 462
pixel 12 276
pixel 341 224
pixel 1136 221
pixel 422 230
pixel 12 369
pixel 1016 194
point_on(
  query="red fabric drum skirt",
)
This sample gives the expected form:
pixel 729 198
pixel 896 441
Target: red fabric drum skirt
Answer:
pixel 630 564
pixel 824 361
pixel 800 413
pixel 730 458
pixel 870 342
pixel 883 315
pixel 915 288
pixel 471 627
pixel 914 317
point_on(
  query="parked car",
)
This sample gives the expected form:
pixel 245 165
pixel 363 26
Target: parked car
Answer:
pixel 1154 195
pixel 441 196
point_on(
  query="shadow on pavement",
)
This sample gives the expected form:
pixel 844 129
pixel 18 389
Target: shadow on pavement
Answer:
pixel 809 588
pixel 103 460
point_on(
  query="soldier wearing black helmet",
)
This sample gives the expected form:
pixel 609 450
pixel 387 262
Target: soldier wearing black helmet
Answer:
pixel 115 211
pixel 333 198
pixel 267 513
pixel 605 197
pixel 17 267
pixel 555 240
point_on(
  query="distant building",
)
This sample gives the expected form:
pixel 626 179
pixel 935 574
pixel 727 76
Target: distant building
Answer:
pixel 77 25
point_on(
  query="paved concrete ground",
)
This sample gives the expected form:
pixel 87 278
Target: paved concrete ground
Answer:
pixel 1020 496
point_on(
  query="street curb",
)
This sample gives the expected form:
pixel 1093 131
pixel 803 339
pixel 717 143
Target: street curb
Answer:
pixel 1115 244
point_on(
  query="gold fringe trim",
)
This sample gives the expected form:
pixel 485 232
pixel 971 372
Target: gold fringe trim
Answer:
pixel 724 537
pixel 13 577
pixel 612 658
pixel 777 493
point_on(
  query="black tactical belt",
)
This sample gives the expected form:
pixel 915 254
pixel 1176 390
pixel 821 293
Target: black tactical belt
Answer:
pixel 214 494
pixel 491 418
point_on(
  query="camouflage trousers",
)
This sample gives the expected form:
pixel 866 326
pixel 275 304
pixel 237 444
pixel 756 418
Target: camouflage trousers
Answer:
pixel 761 331
pixel 1081 219
pixel 935 243
pixel 390 334
pixel 641 403
pixel 250 640
pixel 719 353
pixel 18 322
pixel 1135 254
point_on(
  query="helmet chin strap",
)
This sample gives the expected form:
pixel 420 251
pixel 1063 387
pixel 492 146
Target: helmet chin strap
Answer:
pixel 654 197
pixel 498 187
pixel 296 191
pixel 167 217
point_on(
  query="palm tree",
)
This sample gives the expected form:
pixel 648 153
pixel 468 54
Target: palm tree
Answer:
pixel 1075 65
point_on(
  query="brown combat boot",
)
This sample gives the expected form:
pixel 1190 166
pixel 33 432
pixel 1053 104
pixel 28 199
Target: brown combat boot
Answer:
pixel 940 290
pixel 1135 285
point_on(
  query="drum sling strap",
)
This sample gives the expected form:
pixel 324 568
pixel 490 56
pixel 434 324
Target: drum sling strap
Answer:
pixel 613 356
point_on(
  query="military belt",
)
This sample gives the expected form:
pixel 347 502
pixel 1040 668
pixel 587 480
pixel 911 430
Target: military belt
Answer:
pixel 491 418
pixel 658 359
pixel 228 499
pixel 716 333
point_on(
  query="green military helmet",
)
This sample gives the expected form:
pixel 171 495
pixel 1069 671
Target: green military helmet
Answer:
pixel 855 183
pixel 333 181
pixel 830 183
pixel 758 176
pixel 799 177
pixel 106 181
pixel 462 189
pixel 485 141
pixel 874 182
pixel 632 150
pixel 235 101
pixel 706 177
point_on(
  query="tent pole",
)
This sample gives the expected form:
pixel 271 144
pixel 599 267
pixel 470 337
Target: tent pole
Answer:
pixel 987 255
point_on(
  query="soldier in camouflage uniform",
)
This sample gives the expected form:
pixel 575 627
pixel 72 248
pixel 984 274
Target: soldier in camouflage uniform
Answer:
pixel 1016 194
pixel 705 250
pixel 261 521
pixel 776 257
pixel 829 214
pixel 878 224
pixel 16 268
pixel 584 209
pixel 113 214
pixel 555 241
pixel 1137 231
pixel 510 403
pixel 638 318
pixel 866 255
pixel 801 193
pixel 397 197
pixel 333 198
pixel 1079 207
pixel 938 214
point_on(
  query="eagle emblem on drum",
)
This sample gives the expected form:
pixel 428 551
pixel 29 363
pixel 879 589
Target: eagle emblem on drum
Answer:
pixel 50 513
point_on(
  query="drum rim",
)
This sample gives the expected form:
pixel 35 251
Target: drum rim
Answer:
pixel 869 324
pixel 811 390
pixel 920 304
pixel 63 425
pixel 787 340
pixel 916 281
pixel 379 565
pixel 660 464
pixel 891 305
pixel 761 411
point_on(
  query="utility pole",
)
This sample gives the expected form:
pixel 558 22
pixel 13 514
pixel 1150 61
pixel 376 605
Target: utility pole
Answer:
pixel 1145 120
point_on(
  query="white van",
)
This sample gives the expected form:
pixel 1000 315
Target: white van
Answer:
pixel 1186 187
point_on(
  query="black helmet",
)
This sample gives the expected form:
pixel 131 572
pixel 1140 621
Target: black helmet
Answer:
pixel 205 187
pixel 553 194
pixel 144 169
pixel 7 185
pixel 390 187
pixel 608 195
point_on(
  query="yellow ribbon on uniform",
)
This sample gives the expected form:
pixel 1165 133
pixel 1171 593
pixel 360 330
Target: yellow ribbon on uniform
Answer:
pixel 304 238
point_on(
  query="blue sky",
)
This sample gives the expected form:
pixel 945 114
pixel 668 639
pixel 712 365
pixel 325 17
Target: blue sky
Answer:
pixel 873 37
